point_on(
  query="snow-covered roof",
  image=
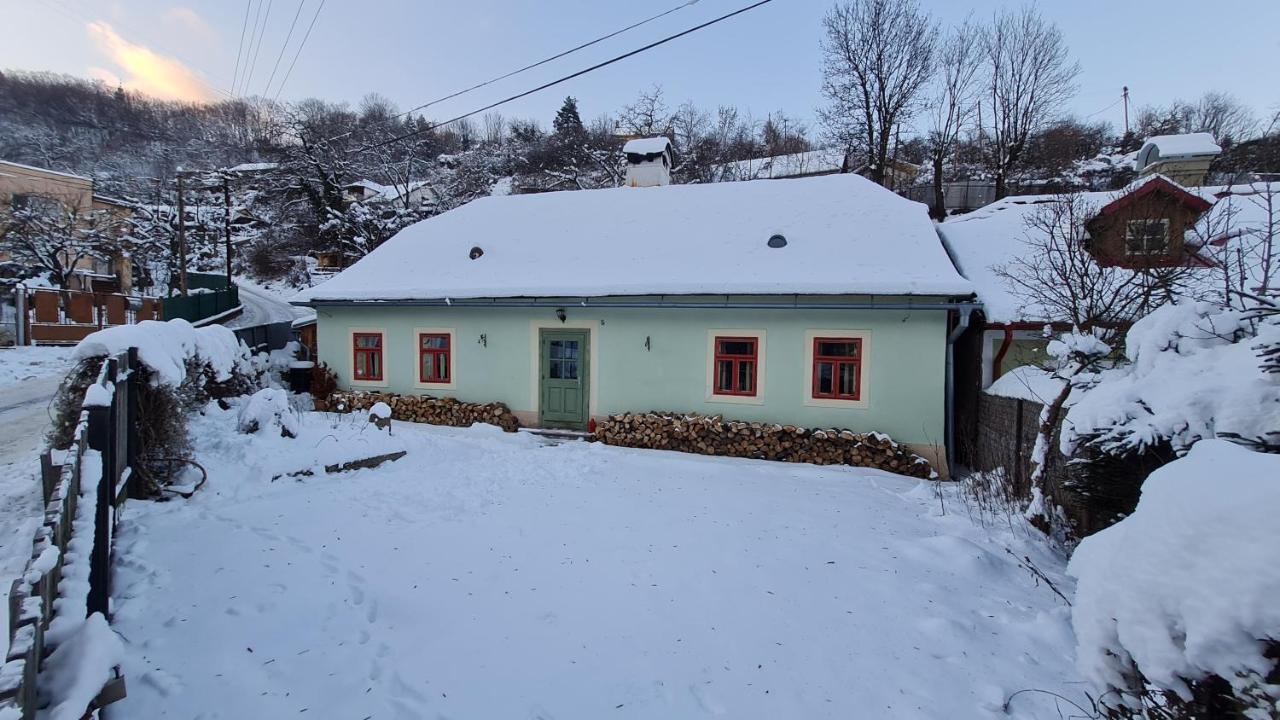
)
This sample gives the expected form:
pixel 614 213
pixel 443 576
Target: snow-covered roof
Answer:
pixel 813 162
pixel 647 146
pixel 844 235
pixel 991 236
pixel 45 170
pixel 253 167
pixel 368 185
pixel 1165 147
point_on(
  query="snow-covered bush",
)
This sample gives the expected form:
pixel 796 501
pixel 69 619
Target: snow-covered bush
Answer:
pixel 1193 372
pixel 1179 600
pixel 268 409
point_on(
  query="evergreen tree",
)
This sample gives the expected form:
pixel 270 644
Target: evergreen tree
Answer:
pixel 568 124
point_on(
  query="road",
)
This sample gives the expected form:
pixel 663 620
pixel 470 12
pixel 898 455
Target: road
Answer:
pixel 263 308
pixel 24 419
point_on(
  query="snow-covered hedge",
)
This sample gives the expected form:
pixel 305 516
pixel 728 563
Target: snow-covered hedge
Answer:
pixel 1193 373
pixel 169 347
pixel 1187 587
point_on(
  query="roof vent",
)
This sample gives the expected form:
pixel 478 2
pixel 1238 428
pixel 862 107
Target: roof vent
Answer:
pixel 476 252
pixel 777 241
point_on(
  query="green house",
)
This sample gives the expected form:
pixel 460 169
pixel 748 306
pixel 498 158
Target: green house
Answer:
pixel 818 302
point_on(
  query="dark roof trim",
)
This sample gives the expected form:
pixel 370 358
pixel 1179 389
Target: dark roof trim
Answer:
pixel 1157 185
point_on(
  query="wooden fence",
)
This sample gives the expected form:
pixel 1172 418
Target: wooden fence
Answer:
pixel 69 316
pixel 94 469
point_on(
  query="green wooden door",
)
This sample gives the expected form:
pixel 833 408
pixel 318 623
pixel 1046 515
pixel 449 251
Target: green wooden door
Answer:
pixel 563 381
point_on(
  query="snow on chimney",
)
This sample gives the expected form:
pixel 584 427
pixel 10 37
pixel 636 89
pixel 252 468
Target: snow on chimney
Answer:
pixel 648 161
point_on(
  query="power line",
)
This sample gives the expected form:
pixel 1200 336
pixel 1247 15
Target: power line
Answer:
pixel 244 25
pixel 298 51
pixel 544 61
pixel 253 64
pixel 283 47
pixel 557 56
pixel 567 78
pixel 248 49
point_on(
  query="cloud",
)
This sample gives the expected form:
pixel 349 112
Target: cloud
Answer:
pixel 144 70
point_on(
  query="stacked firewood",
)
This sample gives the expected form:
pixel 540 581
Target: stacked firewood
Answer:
pixel 713 435
pixel 425 409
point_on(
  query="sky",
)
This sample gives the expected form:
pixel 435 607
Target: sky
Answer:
pixel 765 60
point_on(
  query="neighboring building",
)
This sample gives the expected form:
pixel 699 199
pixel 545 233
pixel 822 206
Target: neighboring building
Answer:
pixel 649 161
pixel 959 196
pixel 819 302
pixel 1148 225
pixel 22 185
pixel 412 194
pixel 1185 159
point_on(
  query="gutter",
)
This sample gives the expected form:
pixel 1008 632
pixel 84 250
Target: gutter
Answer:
pixel 661 302
pixel 966 311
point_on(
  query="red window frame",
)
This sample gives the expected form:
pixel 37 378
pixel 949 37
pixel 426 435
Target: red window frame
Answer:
pixel 370 353
pixel 445 352
pixel 836 361
pixel 736 362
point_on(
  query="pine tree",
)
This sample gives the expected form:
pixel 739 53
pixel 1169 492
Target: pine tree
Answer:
pixel 568 124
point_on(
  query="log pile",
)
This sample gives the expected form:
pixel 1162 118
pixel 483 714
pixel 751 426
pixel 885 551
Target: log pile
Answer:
pixel 425 409
pixel 713 435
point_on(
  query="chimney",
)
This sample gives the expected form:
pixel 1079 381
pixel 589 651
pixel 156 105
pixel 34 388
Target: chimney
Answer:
pixel 648 161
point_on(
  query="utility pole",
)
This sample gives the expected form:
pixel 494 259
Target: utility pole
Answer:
pixel 226 221
pixel 182 239
pixel 1126 109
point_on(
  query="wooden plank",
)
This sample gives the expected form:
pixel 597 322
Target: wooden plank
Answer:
pixel 115 305
pixel 63 334
pixel 46 302
pixel 80 307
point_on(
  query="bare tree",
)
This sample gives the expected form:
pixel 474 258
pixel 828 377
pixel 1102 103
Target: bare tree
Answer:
pixel 954 105
pixel 1030 75
pixel 648 115
pixel 878 56
pixel 1241 233
pixel 55 235
pixel 495 128
pixel 1222 116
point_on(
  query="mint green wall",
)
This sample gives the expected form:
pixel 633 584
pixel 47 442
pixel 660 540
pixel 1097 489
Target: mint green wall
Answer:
pixel 905 357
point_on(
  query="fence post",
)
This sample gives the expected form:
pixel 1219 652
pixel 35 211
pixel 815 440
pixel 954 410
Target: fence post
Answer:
pixel 102 430
pixel 20 314
pixel 131 418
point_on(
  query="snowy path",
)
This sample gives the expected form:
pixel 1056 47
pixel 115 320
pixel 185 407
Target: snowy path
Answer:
pixel 487 575
pixel 262 308
pixel 29 377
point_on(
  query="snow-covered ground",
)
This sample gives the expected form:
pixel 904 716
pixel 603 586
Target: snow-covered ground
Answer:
pixel 263 306
pixel 492 575
pixel 20 364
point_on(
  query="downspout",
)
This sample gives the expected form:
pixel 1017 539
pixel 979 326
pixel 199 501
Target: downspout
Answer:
pixel 965 312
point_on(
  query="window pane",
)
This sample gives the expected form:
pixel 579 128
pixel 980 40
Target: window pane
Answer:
pixel 362 365
pixel 824 378
pixel 369 341
pixel 557 349
pixel 848 379
pixel 838 348
pixel 570 369
pixel 724 376
pixel 746 376
pixel 442 366
pixel 428 367
pixel 375 365
pixel 554 369
pixel 435 342
pixel 736 347
pixel 571 349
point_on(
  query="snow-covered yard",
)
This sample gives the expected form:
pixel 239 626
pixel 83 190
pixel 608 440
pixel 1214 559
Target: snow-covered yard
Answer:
pixel 493 575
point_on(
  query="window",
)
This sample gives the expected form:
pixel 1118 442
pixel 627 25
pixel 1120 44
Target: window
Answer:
pixel 433 358
pixel 367 349
pixel 736 360
pixel 837 368
pixel 1147 237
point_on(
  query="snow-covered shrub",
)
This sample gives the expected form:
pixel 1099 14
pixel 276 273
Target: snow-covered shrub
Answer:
pixel 1193 372
pixel 69 399
pixel 268 410
pixel 1178 602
